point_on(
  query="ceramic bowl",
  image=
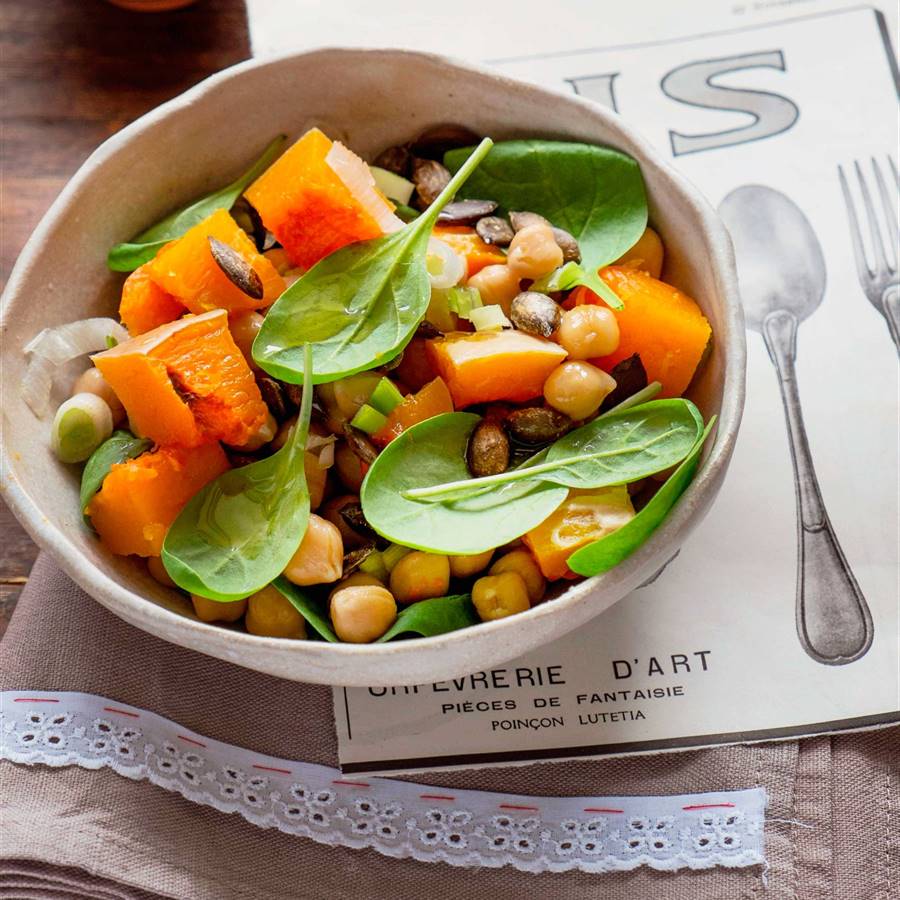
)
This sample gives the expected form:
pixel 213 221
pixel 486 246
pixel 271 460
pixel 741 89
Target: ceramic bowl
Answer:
pixel 370 99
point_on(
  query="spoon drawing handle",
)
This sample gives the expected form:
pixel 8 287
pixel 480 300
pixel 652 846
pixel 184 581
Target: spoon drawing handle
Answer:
pixel 890 305
pixel 834 624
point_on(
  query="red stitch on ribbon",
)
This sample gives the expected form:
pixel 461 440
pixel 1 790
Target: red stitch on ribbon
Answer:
pixel 188 740
pixel 602 809
pixel 272 769
pixel 34 700
pixel 709 806
pixel 121 712
pixel 435 797
pixel 513 806
pixel 352 783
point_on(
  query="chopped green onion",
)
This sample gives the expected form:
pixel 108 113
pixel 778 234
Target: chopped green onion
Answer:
pixel 406 213
pixel 568 276
pixel 462 300
pixel 394 187
pixel 368 419
pixel 393 555
pixel 385 396
pixel 374 565
pixel 489 318
pixel 80 426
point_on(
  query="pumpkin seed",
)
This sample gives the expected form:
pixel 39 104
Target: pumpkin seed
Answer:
pixel 360 444
pixel 464 212
pixel 355 558
pixel 275 397
pixel 395 159
pixel 537 425
pixel 427 330
pixel 488 449
pixel 430 178
pixel 237 270
pixel 494 230
pixel 522 219
pixel 569 246
pixel 630 377
pixel 535 313
pixel 434 142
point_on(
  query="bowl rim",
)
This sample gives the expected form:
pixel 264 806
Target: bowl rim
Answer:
pixel 143 612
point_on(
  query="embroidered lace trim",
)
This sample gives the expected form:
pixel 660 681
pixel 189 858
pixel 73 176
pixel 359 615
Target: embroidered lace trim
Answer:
pixel 395 818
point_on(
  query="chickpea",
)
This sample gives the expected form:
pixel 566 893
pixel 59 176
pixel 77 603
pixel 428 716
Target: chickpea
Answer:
pixel 588 331
pixel 93 382
pixel 496 284
pixel 271 614
pixel 349 467
pixel 362 613
pixel 523 564
pixel 279 258
pixel 577 388
pixel 320 557
pixel 208 610
pixel 244 327
pixel 158 571
pixel 316 479
pixel 466 566
pixel 420 576
pixel 357 579
pixel 498 596
pixel 534 252
pixel 265 434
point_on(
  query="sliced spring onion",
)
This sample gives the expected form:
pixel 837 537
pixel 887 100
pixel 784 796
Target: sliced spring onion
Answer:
pixel 393 554
pixel 462 300
pixel 80 426
pixel 368 419
pixel 385 396
pixel 357 178
pixel 374 565
pixel 489 318
pixel 446 268
pixel 394 187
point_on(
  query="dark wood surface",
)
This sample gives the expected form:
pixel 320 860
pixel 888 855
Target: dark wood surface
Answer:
pixel 73 73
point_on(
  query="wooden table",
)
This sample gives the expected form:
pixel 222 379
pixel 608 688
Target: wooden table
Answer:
pixel 74 72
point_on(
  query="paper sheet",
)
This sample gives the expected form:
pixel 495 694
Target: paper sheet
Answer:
pixel 774 94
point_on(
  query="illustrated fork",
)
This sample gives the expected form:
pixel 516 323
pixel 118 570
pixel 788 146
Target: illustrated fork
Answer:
pixel 880 284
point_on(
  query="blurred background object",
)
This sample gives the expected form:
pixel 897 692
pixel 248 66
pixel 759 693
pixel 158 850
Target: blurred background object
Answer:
pixel 73 74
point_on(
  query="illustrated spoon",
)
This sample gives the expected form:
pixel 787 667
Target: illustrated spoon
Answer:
pixel 781 271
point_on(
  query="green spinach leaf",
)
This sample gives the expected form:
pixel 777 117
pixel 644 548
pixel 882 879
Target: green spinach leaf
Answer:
pixel 595 193
pixel 310 609
pixel 603 555
pixel 430 617
pixel 119 447
pixel 239 532
pixel 359 306
pixel 128 256
pixel 615 448
pixel 434 452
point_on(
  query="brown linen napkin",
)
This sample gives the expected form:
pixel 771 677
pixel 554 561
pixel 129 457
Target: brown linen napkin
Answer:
pixel 107 836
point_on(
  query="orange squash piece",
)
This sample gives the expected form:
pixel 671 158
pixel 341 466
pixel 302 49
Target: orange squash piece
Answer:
pixel 145 305
pixel 466 242
pixel 494 365
pixel 303 202
pixel 433 400
pixel 647 254
pixel 186 383
pixel 186 268
pixel 665 327
pixel 141 498
pixel 585 516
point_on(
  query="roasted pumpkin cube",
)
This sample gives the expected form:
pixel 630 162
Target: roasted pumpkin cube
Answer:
pixel 187 269
pixel 186 383
pixel 142 497
pixel 466 242
pixel 145 305
pixel 433 400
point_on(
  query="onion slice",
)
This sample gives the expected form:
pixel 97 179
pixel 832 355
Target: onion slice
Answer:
pixel 449 265
pixel 325 446
pixel 54 347
pixel 357 178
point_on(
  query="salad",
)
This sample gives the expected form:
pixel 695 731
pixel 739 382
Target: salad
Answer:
pixel 358 402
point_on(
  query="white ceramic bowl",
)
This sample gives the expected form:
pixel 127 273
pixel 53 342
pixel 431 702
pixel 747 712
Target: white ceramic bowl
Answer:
pixel 370 99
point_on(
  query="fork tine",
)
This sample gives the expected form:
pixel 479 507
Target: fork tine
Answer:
pixel 890 213
pixel 859 254
pixel 881 263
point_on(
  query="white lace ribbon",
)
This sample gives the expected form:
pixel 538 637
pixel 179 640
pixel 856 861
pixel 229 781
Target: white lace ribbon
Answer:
pixel 395 818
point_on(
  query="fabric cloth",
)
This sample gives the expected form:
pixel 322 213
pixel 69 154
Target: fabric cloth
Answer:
pixel 834 802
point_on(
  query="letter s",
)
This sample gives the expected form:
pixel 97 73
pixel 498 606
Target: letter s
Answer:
pixel 694 84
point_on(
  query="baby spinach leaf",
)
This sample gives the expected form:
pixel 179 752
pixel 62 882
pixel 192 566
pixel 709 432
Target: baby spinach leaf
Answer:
pixel 119 447
pixel 306 606
pixel 595 193
pixel 434 452
pixel 239 532
pixel 430 617
pixel 615 448
pixel 359 306
pixel 128 256
pixel 602 555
